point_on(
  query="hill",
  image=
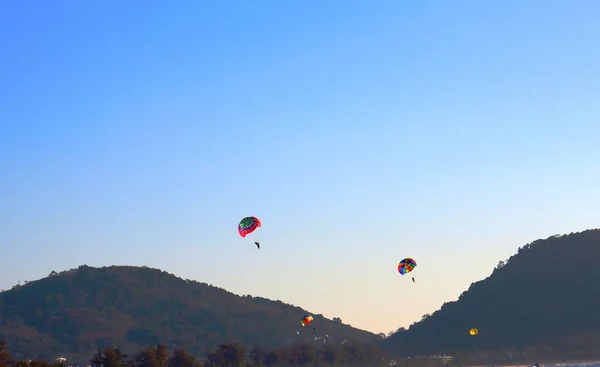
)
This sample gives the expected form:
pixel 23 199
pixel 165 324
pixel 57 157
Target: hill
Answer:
pixel 548 295
pixel 75 312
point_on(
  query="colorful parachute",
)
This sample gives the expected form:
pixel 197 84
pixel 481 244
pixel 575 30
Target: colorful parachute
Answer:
pixel 406 266
pixel 307 319
pixel 248 225
pixel 474 331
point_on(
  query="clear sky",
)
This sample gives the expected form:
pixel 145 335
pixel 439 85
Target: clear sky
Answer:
pixel 360 132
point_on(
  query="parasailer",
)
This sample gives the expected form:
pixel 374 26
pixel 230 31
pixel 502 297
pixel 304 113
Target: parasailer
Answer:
pixel 249 225
pixel 474 331
pixel 307 319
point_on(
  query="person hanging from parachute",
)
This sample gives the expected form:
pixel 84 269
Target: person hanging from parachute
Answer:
pixel 413 279
pixel 407 265
pixel 248 225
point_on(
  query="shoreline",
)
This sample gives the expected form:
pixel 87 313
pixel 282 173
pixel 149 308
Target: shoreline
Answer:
pixel 544 364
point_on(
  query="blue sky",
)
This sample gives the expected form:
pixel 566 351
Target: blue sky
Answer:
pixel 361 133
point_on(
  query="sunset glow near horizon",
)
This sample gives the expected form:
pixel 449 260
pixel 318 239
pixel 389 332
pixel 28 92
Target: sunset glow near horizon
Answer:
pixel 359 133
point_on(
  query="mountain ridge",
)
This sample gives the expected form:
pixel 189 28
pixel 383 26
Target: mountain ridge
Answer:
pixel 544 297
pixel 546 293
pixel 80 310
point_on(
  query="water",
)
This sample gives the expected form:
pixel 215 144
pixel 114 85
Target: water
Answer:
pixel 582 364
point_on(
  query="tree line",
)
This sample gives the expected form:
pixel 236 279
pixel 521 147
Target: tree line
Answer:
pixel 329 355
pixel 226 355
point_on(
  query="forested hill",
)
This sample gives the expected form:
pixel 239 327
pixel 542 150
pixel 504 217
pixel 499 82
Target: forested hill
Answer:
pixel 549 292
pixel 74 312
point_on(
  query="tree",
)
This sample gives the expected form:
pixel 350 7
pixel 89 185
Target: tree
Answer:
pixel 5 357
pixel 37 363
pixel 98 359
pixel 372 355
pixel 229 354
pixel 162 355
pixel 330 354
pixel 146 358
pixel 181 358
pixel 302 355
pixel 257 356
pixel 354 355
pixel 109 357
pixel 233 355
pixel 114 358
pixel 273 358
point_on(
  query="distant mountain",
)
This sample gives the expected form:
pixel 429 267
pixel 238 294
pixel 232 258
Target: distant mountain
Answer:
pixel 547 294
pixel 74 312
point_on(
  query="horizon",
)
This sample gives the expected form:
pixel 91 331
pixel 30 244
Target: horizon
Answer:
pixel 359 133
pixel 272 299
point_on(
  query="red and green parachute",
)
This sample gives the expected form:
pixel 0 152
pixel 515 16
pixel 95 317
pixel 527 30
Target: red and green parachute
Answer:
pixel 248 225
